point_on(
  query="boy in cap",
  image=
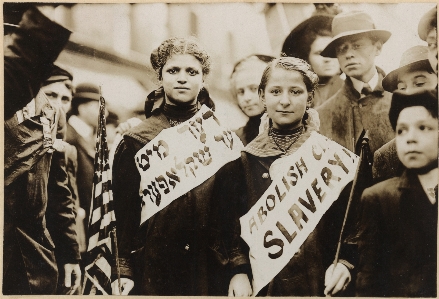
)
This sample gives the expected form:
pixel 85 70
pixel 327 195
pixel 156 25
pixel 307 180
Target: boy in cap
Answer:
pixel 427 30
pixel 414 75
pixel 398 224
pixel 62 189
pixel 361 104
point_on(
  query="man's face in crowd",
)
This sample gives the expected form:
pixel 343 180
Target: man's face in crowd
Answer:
pixel 416 137
pixel 432 48
pixel 59 94
pixel 356 55
pixel 89 113
pixel 413 81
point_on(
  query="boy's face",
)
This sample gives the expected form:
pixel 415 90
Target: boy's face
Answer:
pixel 416 137
pixel 356 56
pixel 432 48
pixel 415 81
pixel 59 95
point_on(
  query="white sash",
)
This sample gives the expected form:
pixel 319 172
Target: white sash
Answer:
pixel 305 184
pixel 180 158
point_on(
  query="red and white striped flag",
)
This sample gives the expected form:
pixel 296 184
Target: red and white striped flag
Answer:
pixel 102 221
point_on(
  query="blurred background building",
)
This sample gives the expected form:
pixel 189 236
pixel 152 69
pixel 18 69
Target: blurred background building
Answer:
pixel 111 43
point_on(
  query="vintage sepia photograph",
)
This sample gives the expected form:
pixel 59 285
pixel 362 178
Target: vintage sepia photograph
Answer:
pixel 220 149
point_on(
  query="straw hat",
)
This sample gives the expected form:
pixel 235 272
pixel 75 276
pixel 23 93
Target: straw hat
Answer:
pixel 415 58
pixel 425 24
pixel 350 24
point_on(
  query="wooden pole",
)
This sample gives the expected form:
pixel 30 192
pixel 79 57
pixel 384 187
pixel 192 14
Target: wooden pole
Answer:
pixel 351 195
pixel 117 260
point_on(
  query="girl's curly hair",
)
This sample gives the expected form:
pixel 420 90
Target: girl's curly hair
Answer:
pixel 179 45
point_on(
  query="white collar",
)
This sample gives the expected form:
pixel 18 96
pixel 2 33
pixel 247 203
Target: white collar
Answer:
pixel 373 82
pixel 80 126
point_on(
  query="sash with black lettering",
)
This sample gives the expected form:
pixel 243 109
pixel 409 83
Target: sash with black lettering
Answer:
pixel 305 184
pixel 181 158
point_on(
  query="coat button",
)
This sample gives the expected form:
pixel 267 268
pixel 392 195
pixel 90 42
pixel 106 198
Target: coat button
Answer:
pixel 265 175
pixel 186 247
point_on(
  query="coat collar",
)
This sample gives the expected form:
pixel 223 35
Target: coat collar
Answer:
pixel 409 182
pixel 352 93
pixel 156 99
pixel 263 146
pixel 156 121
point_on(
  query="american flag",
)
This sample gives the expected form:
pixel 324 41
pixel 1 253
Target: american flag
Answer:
pixel 102 221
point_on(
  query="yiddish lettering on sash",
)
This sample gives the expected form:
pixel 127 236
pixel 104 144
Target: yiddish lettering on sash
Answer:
pixel 181 158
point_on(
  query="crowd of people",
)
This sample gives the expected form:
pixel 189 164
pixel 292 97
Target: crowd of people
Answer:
pixel 324 81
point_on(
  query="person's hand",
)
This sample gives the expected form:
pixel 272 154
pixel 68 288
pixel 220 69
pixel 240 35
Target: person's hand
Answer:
pixel 69 270
pixel 125 126
pixel 126 286
pixel 240 286
pixel 336 279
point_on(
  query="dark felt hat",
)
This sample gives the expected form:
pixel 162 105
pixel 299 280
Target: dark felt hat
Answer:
pixel 426 98
pixel 293 44
pixel 427 22
pixel 351 24
pixel 414 59
pixel 87 92
pixel 58 74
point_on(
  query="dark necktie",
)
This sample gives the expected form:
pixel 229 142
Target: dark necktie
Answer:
pixel 366 90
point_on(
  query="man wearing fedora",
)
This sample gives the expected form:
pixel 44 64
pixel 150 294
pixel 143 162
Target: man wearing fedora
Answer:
pixel 413 75
pixel 81 133
pixel 361 104
pixel 427 30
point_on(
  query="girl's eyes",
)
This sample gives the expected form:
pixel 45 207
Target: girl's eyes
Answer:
pixel 296 91
pixel 192 72
pixel 275 91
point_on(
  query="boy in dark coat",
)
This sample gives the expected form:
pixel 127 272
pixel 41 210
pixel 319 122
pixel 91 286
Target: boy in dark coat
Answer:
pixel 361 104
pixel 398 223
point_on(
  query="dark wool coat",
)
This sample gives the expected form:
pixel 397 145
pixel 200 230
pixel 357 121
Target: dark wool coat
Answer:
pixel 344 116
pixel 29 265
pixel 84 179
pixel 386 163
pixel 251 129
pixel 305 273
pixel 325 92
pixel 398 240
pixel 182 249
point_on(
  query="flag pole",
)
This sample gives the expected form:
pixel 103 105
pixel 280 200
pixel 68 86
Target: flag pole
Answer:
pixel 115 236
pixel 117 260
pixel 351 195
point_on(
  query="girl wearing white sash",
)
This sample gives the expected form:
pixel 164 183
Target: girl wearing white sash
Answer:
pixel 179 250
pixel 286 90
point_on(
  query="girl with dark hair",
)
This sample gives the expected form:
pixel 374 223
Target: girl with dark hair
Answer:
pixel 182 248
pixel 286 90
pixel 306 42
